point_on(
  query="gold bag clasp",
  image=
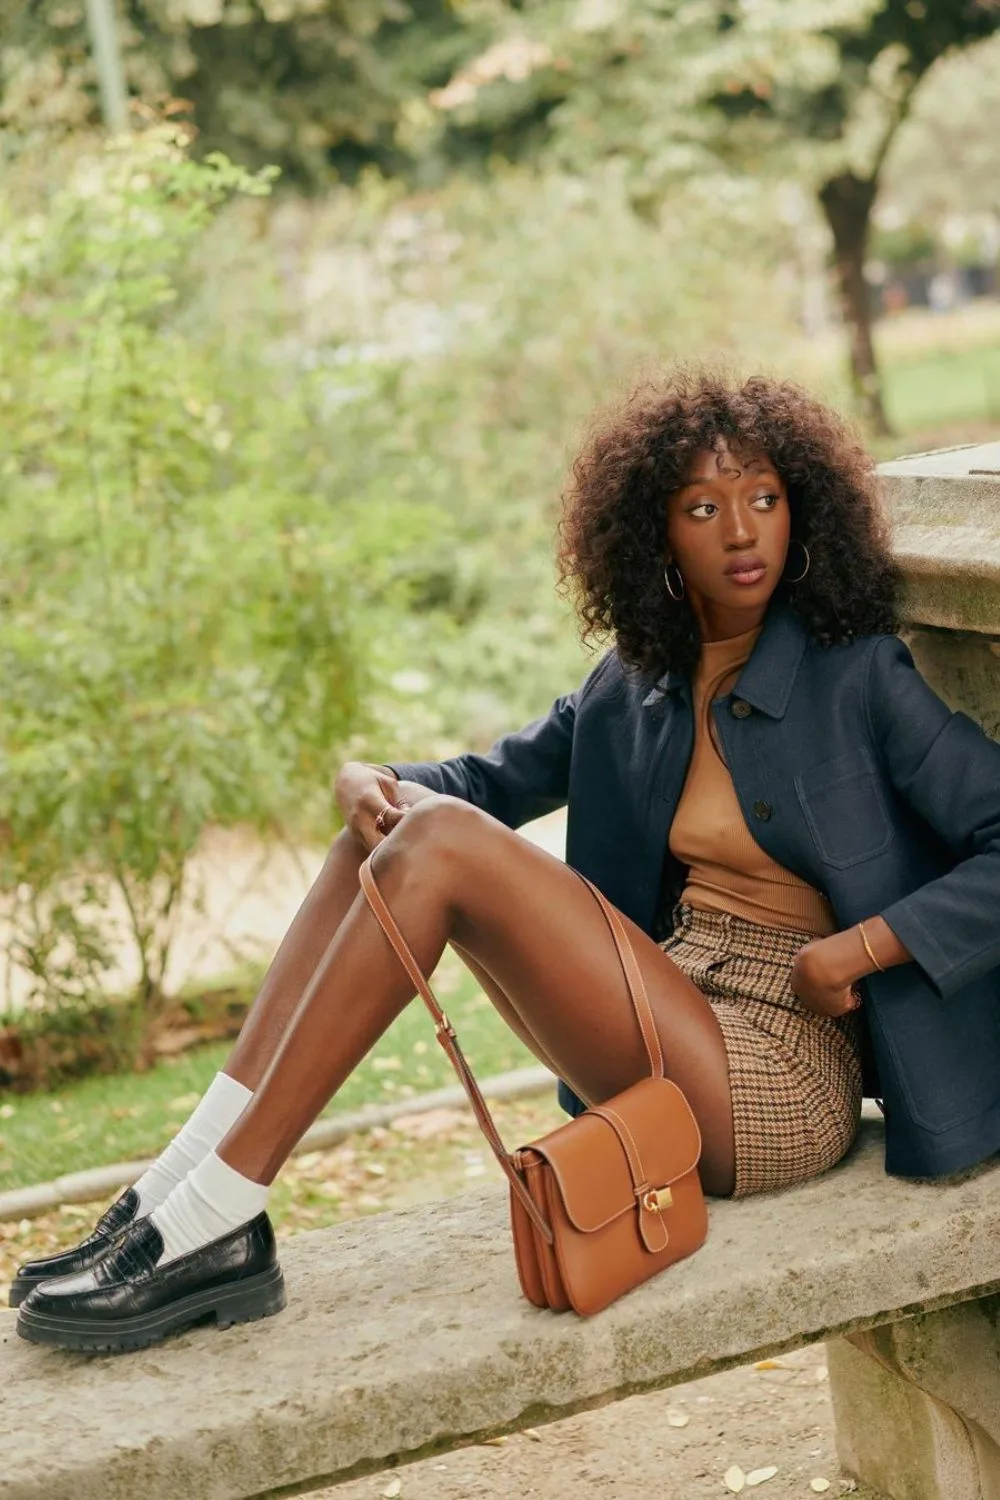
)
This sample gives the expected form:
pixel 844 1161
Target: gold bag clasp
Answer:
pixel 657 1199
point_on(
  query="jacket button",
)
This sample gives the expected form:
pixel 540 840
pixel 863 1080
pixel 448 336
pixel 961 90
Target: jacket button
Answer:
pixel 762 809
pixel 740 709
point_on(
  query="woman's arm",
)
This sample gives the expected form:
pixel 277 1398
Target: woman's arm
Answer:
pixel 847 959
pixel 948 770
pixel 523 775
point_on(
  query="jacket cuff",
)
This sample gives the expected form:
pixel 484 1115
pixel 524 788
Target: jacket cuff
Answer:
pixel 915 933
pixel 405 770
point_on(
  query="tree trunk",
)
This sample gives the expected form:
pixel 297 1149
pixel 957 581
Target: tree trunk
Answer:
pixel 847 202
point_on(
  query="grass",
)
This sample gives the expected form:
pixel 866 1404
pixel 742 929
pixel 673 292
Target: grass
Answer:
pixel 124 1117
pixel 941 376
pixel 943 388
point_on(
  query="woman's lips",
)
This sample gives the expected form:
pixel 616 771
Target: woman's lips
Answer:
pixel 747 575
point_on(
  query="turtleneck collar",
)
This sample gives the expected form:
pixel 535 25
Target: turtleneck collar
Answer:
pixel 716 655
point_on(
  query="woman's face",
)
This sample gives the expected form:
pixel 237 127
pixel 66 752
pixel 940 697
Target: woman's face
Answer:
pixel 727 529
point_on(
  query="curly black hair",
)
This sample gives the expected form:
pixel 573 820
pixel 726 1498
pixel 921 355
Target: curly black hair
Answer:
pixel 637 449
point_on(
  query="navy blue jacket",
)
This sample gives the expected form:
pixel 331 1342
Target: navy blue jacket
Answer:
pixel 852 773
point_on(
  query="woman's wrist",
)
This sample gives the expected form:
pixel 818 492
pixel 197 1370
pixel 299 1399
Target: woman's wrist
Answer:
pixel 851 956
pixel 378 766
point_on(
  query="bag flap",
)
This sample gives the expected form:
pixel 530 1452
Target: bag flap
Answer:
pixel 590 1163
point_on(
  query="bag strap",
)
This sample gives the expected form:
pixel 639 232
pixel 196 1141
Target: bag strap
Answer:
pixel 449 1041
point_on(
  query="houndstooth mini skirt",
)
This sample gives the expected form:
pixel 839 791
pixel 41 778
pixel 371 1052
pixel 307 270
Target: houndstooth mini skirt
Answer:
pixel 795 1077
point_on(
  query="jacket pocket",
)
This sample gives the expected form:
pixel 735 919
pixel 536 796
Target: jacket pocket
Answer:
pixel 843 805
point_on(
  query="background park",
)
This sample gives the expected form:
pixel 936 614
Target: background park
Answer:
pixel 301 316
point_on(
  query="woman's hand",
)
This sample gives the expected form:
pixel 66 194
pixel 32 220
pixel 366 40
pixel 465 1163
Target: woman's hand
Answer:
pixel 817 978
pixel 366 794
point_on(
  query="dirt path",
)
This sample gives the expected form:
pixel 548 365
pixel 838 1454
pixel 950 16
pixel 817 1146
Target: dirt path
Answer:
pixel 752 1417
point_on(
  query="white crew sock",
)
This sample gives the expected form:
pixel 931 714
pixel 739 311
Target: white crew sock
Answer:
pixel 212 1200
pixel 216 1114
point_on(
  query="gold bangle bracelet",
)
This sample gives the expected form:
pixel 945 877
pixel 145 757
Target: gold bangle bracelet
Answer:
pixel 868 948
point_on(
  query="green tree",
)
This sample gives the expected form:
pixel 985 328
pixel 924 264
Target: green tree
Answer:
pixel 769 87
pixel 317 87
pixel 186 606
pixel 945 161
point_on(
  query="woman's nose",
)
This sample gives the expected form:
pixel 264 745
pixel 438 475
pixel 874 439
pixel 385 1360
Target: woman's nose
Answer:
pixel 738 528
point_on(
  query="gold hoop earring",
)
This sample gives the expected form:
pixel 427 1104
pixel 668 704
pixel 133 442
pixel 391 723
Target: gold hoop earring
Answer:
pixel 666 579
pixel 805 570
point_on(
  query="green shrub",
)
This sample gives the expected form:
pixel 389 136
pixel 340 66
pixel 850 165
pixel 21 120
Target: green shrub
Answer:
pixel 184 603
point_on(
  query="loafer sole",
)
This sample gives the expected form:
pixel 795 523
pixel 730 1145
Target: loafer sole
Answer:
pixel 239 1302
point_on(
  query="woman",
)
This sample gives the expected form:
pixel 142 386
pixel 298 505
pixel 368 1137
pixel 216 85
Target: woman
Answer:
pixel 788 818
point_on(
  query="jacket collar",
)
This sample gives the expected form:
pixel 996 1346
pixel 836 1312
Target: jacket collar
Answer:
pixel 769 671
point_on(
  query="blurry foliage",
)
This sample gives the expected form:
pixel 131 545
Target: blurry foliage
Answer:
pixel 183 600
pixel 905 245
pixel 945 161
pixel 317 87
pixel 815 91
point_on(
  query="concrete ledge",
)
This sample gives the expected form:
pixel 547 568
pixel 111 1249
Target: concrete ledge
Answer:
pixel 406 1333
pixel 945 510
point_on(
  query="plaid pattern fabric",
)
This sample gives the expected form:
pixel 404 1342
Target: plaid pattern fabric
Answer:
pixel 795 1077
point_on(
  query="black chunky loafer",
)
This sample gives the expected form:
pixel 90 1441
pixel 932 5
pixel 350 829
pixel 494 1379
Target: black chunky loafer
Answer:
pixel 68 1262
pixel 133 1304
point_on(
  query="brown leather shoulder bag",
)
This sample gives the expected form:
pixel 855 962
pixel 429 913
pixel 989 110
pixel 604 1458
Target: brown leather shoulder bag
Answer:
pixel 605 1201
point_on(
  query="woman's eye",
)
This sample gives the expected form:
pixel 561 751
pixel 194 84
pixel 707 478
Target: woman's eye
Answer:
pixel 704 506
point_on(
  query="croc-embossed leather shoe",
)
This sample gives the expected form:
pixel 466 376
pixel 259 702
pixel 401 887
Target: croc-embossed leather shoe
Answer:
pixel 132 1303
pixel 68 1262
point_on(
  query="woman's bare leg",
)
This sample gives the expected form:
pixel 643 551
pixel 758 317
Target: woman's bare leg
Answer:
pixel 452 873
pixel 330 898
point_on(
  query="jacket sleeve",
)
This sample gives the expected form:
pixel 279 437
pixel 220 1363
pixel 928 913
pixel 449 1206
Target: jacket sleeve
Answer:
pixel 945 766
pixel 523 775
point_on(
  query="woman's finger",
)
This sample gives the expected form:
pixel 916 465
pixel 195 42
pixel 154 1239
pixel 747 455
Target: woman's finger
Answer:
pixel 388 817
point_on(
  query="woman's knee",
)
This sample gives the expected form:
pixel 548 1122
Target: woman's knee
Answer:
pixel 439 828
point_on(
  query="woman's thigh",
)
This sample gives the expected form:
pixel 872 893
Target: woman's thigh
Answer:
pixel 524 922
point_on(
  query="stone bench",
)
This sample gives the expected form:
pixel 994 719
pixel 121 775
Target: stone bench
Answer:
pixel 406 1334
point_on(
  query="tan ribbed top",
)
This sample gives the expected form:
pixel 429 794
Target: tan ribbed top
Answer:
pixel 729 870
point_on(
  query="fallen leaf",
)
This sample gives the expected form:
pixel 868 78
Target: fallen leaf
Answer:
pixel 496 1442
pixel 677 1418
pixel 769 1364
pixel 734 1479
pixel 819 1485
pixel 759 1476
pixel 186 1101
pixel 387 1064
pixel 432 1122
pixel 392 1489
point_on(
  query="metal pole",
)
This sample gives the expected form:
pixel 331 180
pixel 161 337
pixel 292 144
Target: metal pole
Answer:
pixel 104 40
